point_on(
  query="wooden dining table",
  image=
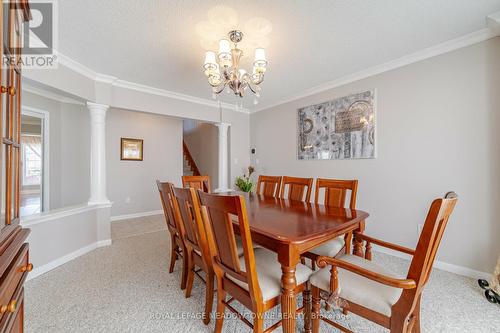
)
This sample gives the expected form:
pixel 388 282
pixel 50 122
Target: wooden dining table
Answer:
pixel 291 228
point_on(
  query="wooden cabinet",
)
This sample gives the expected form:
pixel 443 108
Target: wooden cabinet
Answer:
pixel 14 252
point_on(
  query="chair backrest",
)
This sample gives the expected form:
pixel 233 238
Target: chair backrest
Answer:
pixel 428 244
pixel 197 182
pixel 187 211
pixel 165 190
pixel 335 192
pixel 296 188
pixel 218 214
pixel 268 186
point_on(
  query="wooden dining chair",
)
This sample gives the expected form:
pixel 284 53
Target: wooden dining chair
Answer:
pixel 197 182
pixel 335 193
pixel 374 292
pixel 187 212
pixel 268 186
pixel 254 280
pixel 177 248
pixel 295 188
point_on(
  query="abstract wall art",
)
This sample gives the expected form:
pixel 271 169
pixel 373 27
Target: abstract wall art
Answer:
pixel 343 128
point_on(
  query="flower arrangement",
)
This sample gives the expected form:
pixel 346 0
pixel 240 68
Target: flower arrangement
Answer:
pixel 244 183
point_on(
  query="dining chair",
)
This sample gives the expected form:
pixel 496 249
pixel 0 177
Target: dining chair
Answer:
pixel 335 192
pixel 268 186
pixel 187 212
pixel 197 182
pixel 296 187
pixel 254 280
pixel 177 248
pixel 371 290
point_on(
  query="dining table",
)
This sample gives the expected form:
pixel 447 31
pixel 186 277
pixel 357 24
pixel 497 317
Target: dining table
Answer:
pixel 291 228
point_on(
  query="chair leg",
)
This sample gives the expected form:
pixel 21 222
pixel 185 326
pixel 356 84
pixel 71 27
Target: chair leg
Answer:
pixel 190 273
pixel 209 297
pixel 219 317
pixel 316 303
pixel 258 322
pixel 185 266
pixel 416 314
pixel 306 296
pixel 173 253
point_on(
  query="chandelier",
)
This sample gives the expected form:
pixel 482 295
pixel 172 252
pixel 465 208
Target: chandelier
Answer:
pixel 223 69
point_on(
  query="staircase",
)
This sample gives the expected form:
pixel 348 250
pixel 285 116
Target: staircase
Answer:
pixel 189 166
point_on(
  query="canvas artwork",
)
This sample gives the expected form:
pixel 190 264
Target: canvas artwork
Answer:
pixel 343 128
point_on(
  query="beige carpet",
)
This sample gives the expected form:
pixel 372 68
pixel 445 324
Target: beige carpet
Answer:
pixel 126 288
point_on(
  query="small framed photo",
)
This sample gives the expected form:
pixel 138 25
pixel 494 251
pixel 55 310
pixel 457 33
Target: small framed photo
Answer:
pixel 131 149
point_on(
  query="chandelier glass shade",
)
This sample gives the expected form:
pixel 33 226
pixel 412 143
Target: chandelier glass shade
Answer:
pixel 223 70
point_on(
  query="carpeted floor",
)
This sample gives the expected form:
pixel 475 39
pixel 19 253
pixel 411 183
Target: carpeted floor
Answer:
pixel 126 288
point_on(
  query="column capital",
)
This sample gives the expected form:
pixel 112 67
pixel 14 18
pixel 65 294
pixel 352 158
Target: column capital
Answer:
pixel 97 107
pixel 222 125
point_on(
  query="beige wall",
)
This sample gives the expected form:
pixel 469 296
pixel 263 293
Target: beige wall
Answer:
pixel 202 140
pixel 136 180
pixel 69 145
pixel 438 125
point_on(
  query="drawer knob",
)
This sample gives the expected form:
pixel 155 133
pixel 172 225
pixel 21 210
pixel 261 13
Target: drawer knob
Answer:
pixel 27 268
pixel 10 90
pixel 11 307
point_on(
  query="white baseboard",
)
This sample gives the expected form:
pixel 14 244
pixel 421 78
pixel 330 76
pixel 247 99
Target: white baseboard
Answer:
pixel 135 215
pixel 102 243
pixel 456 269
pixel 37 271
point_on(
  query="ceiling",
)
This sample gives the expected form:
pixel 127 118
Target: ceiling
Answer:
pixel 158 43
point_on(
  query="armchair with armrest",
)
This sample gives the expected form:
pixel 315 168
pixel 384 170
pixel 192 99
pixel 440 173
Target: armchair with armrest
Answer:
pixel 373 291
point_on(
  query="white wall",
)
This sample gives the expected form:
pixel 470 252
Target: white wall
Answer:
pixel 137 179
pixel 438 130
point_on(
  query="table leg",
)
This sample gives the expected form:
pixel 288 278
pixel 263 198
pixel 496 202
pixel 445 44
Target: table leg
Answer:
pixel 307 310
pixel 358 243
pixel 288 299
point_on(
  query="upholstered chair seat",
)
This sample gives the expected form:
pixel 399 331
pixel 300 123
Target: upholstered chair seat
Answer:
pixel 330 248
pixel 358 289
pixel 269 273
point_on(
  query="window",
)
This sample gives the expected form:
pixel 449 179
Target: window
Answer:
pixel 31 159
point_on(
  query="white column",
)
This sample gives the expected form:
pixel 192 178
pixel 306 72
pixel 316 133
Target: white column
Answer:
pixel 98 153
pixel 223 162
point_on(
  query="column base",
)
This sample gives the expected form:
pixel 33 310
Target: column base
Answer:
pixel 220 190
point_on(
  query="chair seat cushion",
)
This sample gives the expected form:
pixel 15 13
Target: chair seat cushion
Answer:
pixel 330 248
pixel 358 289
pixel 269 273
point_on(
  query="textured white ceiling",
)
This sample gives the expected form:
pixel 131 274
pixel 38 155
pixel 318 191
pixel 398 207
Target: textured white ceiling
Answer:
pixel 155 42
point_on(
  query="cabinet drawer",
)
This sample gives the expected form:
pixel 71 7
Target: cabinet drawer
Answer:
pixel 11 281
pixel 15 320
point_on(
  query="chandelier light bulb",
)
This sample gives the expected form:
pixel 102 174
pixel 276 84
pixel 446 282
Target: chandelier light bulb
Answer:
pixel 224 46
pixel 260 58
pixel 222 67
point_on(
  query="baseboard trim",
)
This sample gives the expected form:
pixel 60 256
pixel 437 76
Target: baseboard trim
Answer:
pixel 456 269
pixel 37 271
pixel 135 215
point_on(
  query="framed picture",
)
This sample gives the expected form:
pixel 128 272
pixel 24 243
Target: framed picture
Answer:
pixel 131 149
pixel 340 129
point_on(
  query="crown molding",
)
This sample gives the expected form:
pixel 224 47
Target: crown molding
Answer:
pixel 493 21
pixel 175 95
pixel 49 94
pixel 448 46
pixel 116 82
